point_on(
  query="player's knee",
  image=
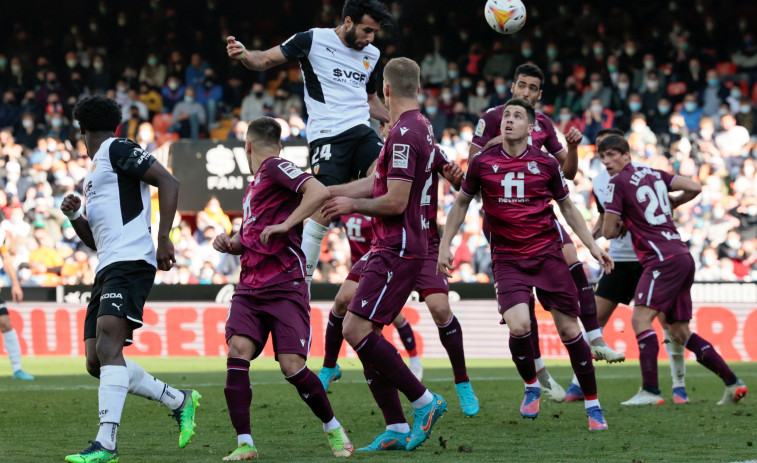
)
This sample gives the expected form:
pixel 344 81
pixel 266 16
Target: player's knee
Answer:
pixel 519 329
pixel 93 367
pixel 291 365
pixel 5 323
pixel 441 313
pixel 340 304
pixel 107 349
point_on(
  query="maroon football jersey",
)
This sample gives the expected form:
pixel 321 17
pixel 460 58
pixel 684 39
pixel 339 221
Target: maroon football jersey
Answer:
pixel 406 156
pixel 359 234
pixel 270 198
pixel 516 193
pixel 639 195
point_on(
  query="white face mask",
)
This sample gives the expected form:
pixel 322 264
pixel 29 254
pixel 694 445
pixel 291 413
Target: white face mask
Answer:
pixel 480 91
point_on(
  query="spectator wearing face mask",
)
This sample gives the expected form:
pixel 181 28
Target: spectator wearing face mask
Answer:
pixel 189 116
pixel 745 117
pixel 501 93
pixel 652 93
pixel 569 98
pixel 660 115
pixel 500 63
pixel 238 131
pixel 596 118
pixel 437 118
pixel 734 98
pixel 691 112
pixel 447 103
pixel 172 93
pixel 478 102
pixel 58 127
pixel 597 90
pixel 153 72
pixel 746 58
pixel 98 79
pixel 746 215
pixel 151 98
pixel 733 138
pixel 252 104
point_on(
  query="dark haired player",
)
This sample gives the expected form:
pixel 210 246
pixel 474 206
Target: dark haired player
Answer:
pixel 638 198
pixel 619 286
pixel 400 208
pixel 117 226
pixel 272 297
pixel 517 182
pixel 339 70
pixel 527 85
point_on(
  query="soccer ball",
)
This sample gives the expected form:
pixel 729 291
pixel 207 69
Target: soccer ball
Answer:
pixel 505 16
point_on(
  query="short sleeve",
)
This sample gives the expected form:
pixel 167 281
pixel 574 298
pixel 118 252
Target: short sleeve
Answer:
pixel 129 159
pixel 471 180
pixel 667 178
pixel 614 196
pixel 401 161
pixel 370 87
pixel 286 174
pixel 486 129
pixel 297 46
pixel 552 143
pixel 439 160
pixel 556 183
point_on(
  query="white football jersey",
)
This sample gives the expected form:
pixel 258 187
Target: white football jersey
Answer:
pixel 117 203
pixel 337 80
pixel 621 249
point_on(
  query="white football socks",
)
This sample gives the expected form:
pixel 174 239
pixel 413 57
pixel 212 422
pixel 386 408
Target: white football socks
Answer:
pixel 331 425
pixel 423 400
pixel 245 438
pixel 114 385
pixel 142 384
pixel 10 338
pixel 677 355
pixel 312 236
pixel 403 428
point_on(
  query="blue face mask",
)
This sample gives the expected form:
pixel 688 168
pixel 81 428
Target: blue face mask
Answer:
pixel 500 88
pixel 713 82
pixel 663 109
pixel 634 106
pixel 690 106
pixel 431 110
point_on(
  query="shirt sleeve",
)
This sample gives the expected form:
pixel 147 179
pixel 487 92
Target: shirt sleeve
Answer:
pixel 439 160
pixel 286 174
pixel 486 129
pixel 127 158
pixel 402 160
pixel 471 180
pixel 557 184
pixel 614 196
pixel 552 143
pixel 297 46
pixel 667 178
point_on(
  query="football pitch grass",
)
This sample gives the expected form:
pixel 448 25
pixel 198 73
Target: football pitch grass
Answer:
pixel 55 415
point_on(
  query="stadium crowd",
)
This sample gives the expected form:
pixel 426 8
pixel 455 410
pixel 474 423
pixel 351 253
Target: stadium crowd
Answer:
pixel 687 102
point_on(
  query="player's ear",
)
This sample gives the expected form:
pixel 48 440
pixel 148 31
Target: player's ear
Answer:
pixel 247 147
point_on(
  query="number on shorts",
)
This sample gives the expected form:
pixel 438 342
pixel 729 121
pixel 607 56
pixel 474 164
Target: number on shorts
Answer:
pixel 656 198
pixel 322 153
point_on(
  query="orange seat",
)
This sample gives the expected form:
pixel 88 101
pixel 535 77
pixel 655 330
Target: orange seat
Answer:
pixel 725 68
pixel 676 88
pixel 162 138
pixel 161 122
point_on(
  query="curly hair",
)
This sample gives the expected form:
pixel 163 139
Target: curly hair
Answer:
pixel 97 113
pixel 377 10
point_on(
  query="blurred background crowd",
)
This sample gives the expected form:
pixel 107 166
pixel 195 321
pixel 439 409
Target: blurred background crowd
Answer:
pixel 678 77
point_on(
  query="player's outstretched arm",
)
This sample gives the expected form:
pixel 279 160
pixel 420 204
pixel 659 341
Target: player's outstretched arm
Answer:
pixel 578 224
pixel 71 208
pixel 392 203
pixel 377 109
pixel 360 188
pixel 256 60
pixel 168 200
pixel 455 219
pixel 314 194
pixel 689 188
